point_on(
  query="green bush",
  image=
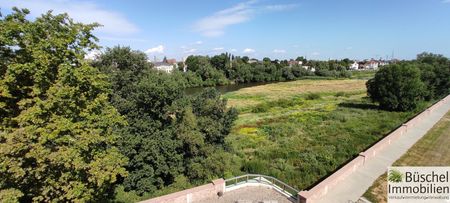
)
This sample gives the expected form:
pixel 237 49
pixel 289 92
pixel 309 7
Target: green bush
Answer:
pixel 256 166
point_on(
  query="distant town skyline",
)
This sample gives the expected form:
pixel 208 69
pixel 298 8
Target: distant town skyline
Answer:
pixel 285 29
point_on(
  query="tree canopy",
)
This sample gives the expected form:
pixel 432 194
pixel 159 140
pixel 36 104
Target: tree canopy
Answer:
pixel 56 137
pixel 170 135
pixel 396 87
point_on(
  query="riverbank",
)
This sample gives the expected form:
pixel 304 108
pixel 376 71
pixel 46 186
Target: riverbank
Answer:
pixel 232 86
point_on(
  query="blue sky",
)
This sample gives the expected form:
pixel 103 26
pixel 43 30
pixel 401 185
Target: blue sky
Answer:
pixel 318 29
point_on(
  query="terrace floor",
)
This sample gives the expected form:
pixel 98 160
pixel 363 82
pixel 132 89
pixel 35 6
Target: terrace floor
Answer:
pixel 250 195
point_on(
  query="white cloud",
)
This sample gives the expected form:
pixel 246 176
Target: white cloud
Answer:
pixel 248 50
pixel 215 24
pixel 218 49
pixel 92 55
pixel 278 51
pixel 199 42
pixel 190 51
pixel 233 50
pixel 280 7
pixel 114 23
pixel 155 50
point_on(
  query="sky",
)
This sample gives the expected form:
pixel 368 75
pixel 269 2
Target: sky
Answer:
pixel 281 29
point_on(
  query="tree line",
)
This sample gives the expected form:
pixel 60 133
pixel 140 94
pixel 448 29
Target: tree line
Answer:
pixel 225 68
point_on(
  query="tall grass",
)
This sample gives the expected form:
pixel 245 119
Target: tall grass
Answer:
pixel 303 139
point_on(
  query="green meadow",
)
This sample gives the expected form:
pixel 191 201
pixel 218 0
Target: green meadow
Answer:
pixel 301 131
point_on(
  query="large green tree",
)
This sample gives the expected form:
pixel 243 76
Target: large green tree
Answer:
pixel 56 134
pixel 397 87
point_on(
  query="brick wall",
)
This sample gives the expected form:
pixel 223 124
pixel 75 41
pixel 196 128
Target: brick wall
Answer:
pixel 199 193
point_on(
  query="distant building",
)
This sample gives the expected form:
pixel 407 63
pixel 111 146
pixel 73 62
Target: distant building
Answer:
pixel 164 66
pixel 382 63
pixel 371 65
pixel 354 66
pixel 171 61
pixel 294 62
pixel 312 69
pixel 253 61
pixel 167 65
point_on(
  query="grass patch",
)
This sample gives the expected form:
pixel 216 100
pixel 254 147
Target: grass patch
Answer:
pixel 312 96
pixel 365 74
pixel 306 128
pixel 246 98
pixel 280 103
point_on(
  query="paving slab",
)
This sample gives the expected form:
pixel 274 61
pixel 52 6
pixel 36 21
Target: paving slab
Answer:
pixel 250 195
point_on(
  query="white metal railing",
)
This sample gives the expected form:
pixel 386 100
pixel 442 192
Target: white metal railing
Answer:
pixel 276 184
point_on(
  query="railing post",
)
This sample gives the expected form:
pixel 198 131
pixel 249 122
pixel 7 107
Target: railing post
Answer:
pixel 235 181
pixel 247 179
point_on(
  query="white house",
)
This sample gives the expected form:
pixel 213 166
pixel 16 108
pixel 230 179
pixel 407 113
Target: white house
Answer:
pixel 370 65
pixel 253 61
pixel 163 66
pixel 383 63
pixel 312 69
pixel 293 63
pixel 354 66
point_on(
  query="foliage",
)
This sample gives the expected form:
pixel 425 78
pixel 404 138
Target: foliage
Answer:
pixel 220 69
pixel 56 138
pixel 397 87
pixel 169 134
pixel 10 195
pixel 435 73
